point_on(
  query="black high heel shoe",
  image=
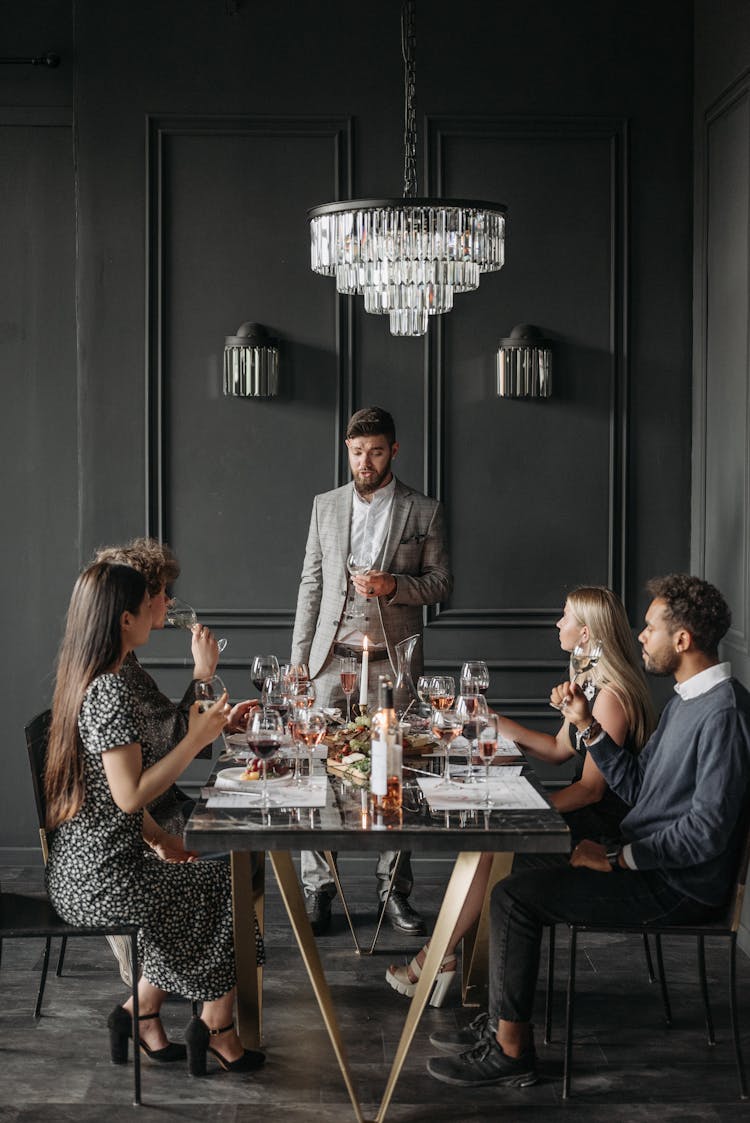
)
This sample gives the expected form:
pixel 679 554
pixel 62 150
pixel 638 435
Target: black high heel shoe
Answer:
pixel 120 1024
pixel 197 1036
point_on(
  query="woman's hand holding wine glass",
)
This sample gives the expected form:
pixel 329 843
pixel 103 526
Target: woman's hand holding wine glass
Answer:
pixel 182 615
pixel 208 715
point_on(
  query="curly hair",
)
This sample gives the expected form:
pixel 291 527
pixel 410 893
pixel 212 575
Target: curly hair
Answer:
pixel 372 421
pixel 695 605
pixel 153 559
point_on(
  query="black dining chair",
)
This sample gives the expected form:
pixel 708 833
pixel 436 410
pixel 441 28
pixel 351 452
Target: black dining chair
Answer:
pixel 725 926
pixel 23 916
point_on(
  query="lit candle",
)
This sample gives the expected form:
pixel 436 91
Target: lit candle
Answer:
pixel 363 678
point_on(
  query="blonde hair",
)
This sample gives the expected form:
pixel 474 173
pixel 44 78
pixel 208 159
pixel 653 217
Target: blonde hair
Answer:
pixel 619 668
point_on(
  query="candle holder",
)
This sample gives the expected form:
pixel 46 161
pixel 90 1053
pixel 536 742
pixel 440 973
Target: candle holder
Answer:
pixel 360 709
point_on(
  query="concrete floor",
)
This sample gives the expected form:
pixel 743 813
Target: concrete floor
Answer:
pixel 628 1065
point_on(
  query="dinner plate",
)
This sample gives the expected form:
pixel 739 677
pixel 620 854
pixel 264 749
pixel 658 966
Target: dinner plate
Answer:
pixel 232 778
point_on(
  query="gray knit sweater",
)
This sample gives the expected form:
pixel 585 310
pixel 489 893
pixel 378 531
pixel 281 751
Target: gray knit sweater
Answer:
pixel 688 790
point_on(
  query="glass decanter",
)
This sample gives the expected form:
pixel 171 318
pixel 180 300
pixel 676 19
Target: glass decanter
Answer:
pixel 405 696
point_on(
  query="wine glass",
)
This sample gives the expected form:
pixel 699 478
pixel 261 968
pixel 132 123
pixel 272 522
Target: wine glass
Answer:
pixel 294 716
pixel 310 726
pixel 207 691
pixel 182 615
pixel 446 726
pixel 261 668
pixel 473 709
pixel 264 732
pixel 487 741
pixel 276 696
pixel 583 659
pixel 348 676
pixel 357 567
pixel 442 692
pixel 423 689
pixel 305 693
pixel 475 677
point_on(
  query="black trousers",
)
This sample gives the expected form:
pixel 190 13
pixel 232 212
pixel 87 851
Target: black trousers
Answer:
pixel 521 905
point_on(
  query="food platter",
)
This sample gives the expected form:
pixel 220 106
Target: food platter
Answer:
pixel 232 778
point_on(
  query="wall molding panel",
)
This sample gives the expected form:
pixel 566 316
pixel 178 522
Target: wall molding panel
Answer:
pixel 330 140
pixel 606 143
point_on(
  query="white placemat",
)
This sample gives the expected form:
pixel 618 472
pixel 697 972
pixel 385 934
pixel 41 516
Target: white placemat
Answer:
pixel 283 795
pixel 509 793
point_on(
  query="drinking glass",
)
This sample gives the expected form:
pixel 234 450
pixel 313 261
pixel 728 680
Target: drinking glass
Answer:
pixel 357 566
pixel 475 677
pixel 310 726
pixel 348 675
pixel 182 615
pixel 473 709
pixel 276 696
pixel 584 658
pixel 423 688
pixel 207 690
pixel 261 668
pixel 304 694
pixel 446 726
pixel 487 741
pixel 442 692
pixel 264 732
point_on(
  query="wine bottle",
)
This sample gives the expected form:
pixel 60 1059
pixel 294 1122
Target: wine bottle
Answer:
pixel 386 759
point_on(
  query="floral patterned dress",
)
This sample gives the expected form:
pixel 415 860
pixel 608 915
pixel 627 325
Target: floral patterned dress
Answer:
pixel 100 871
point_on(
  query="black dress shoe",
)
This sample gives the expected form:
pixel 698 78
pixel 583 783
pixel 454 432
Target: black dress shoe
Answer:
pixel 318 908
pixel 402 916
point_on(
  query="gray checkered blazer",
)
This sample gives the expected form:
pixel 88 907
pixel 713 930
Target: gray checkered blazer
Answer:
pixel 414 553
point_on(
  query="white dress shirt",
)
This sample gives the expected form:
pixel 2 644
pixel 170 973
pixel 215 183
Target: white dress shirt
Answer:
pixel 371 520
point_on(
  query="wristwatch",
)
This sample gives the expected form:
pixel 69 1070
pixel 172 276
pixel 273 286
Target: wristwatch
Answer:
pixel 613 857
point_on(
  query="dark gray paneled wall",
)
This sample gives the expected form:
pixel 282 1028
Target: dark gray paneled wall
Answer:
pixel 721 428
pixel 202 137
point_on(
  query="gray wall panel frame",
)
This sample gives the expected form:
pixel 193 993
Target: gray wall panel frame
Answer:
pixel 158 129
pixel 439 131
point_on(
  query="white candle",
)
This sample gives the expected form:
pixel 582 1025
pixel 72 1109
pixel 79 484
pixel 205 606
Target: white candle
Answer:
pixel 363 678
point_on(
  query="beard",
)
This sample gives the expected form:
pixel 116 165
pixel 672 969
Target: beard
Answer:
pixel 662 664
pixel 373 482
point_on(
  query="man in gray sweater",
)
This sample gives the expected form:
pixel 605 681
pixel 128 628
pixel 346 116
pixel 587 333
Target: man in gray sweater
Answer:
pixel 681 841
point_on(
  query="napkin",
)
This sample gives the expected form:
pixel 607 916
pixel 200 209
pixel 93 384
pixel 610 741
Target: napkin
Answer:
pixel 283 795
pixel 509 793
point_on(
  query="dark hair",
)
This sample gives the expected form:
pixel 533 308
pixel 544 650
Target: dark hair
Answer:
pixel 372 422
pixel 696 606
pixel 153 559
pixel 92 644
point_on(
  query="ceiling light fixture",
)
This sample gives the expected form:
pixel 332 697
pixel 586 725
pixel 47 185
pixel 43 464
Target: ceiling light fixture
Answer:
pixel 407 256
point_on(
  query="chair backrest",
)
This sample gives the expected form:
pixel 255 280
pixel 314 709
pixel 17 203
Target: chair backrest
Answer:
pixel 735 905
pixel 37 734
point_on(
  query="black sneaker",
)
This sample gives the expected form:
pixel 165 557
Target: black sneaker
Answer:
pixel 486 1063
pixel 459 1040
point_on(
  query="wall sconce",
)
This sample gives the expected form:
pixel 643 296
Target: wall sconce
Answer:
pixel 251 363
pixel 524 364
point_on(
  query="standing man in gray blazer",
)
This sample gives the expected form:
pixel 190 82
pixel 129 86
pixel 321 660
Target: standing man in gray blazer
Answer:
pixel 402 532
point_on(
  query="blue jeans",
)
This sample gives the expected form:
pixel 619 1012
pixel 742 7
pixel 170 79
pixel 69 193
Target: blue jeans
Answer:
pixel 523 904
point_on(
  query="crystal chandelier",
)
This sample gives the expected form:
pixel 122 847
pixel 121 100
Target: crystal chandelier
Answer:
pixel 407 256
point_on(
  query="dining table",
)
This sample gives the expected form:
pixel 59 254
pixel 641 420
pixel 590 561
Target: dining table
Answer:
pixel 330 813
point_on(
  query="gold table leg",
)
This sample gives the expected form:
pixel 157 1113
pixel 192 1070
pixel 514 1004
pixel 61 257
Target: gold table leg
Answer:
pixel 474 960
pixel 249 975
pixel 455 895
pixel 291 894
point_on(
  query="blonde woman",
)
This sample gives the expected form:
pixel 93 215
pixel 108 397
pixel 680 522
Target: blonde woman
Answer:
pixel 622 706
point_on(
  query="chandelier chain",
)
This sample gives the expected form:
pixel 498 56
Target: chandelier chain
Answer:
pixel 408 47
